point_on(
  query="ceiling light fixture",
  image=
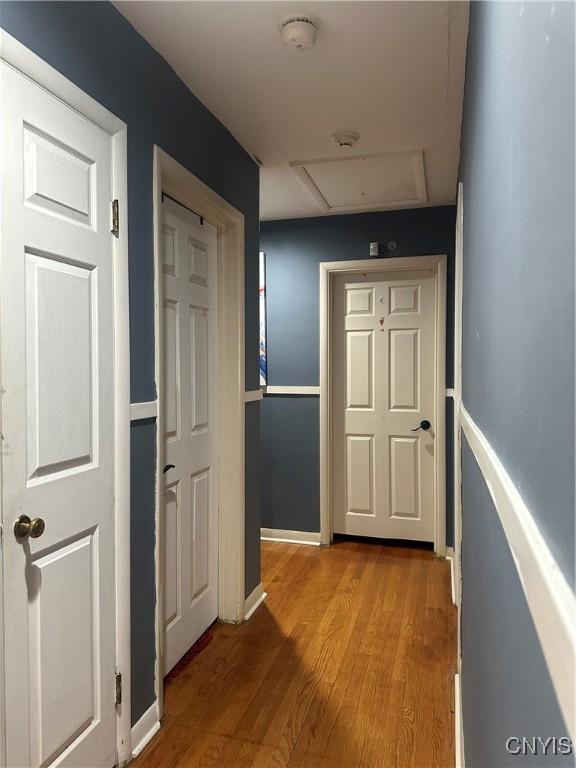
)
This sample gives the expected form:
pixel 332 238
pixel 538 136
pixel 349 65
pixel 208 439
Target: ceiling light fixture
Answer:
pixel 299 32
pixel 345 139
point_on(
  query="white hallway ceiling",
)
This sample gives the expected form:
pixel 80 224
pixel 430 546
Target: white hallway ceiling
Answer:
pixel 392 71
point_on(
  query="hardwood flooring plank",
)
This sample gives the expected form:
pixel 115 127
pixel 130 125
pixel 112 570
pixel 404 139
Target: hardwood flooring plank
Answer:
pixel 273 690
pixel 319 657
pixel 328 725
pixel 348 664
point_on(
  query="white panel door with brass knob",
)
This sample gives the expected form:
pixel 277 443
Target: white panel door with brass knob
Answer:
pixel 384 399
pixel 58 424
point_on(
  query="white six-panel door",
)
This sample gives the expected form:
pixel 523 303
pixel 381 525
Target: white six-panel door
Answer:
pixel 190 523
pixel 383 382
pixel 58 431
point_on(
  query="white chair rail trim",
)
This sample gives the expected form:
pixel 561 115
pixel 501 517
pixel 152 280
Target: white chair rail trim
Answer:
pixel 148 410
pixel 292 390
pixel 550 599
pixel 252 395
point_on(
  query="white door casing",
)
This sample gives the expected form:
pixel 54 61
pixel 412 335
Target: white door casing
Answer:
pixel 59 431
pixel 190 348
pixel 384 386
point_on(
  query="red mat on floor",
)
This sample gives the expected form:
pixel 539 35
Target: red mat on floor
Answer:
pixel 203 641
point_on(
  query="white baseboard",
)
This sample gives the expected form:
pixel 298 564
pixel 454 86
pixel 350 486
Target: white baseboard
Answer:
pixel 145 729
pixel 290 537
pixel 450 557
pixel 459 740
pixel 254 599
pixel 551 601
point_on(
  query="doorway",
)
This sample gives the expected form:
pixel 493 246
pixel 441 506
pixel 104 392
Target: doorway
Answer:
pixel 200 435
pixel 382 399
pixel 190 309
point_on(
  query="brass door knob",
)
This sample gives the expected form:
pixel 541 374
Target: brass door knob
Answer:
pixel 24 527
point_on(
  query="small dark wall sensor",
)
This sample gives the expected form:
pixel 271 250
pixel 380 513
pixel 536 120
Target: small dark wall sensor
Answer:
pixel 374 249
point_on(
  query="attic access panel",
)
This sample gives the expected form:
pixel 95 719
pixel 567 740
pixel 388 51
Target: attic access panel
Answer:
pixel 365 182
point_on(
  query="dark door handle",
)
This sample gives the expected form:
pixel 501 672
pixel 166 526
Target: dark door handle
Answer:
pixel 167 467
pixel 424 424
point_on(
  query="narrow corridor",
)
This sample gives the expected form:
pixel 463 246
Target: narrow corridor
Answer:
pixel 350 662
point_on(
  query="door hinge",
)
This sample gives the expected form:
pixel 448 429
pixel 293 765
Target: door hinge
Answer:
pixel 115 219
pixel 118 680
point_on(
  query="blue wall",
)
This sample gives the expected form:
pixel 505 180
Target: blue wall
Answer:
pixel 517 167
pixel 252 494
pixel 294 248
pixel 95 47
pixel 518 172
pixel 290 439
pixel 507 689
pixel 142 591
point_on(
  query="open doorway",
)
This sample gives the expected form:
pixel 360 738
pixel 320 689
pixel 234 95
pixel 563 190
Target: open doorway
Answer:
pixel 199 281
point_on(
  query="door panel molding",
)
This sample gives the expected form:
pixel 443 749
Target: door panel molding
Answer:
pixel 404 303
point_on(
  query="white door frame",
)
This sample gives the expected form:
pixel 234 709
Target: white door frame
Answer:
pixel 328 270
pixel 179 183
pixel 32 66
pixel 458 287
pixel 457 437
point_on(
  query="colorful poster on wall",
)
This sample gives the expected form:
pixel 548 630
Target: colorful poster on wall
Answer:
pixel 262 305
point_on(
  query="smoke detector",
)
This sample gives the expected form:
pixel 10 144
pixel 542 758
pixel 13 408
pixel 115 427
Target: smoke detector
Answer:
pixel 299 32
pixel 345 139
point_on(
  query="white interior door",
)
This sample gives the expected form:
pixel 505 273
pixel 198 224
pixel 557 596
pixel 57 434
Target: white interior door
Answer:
pixel 190 535
pixel 58 431
pixel 383 385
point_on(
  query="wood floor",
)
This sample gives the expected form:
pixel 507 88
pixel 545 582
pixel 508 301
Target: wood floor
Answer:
pixel 350 662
